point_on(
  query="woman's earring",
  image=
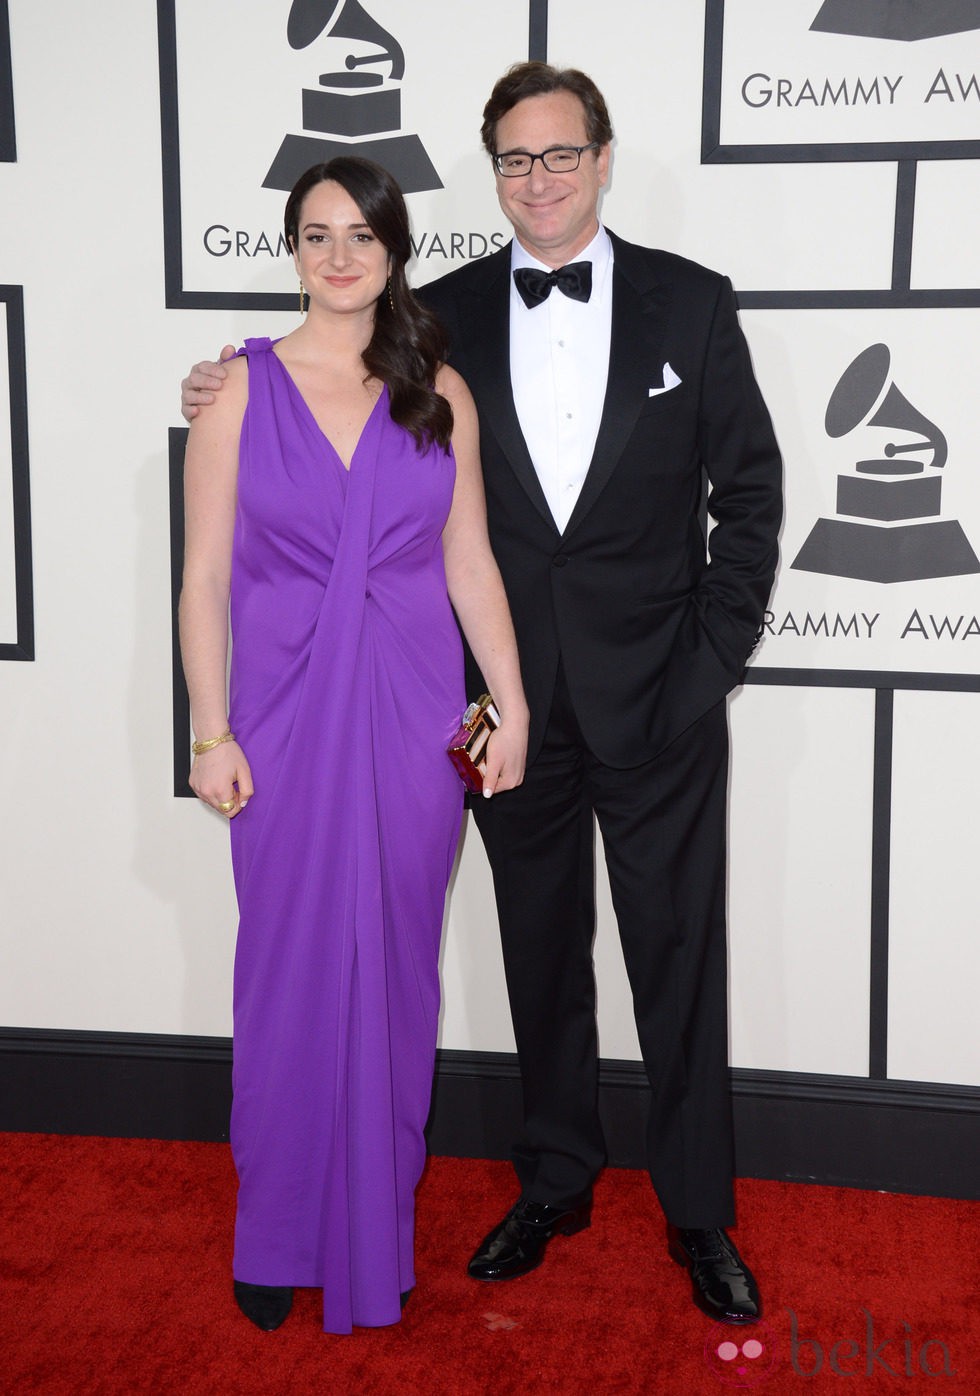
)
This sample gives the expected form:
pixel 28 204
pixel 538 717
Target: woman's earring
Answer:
pixel 391 299
pixel 302 298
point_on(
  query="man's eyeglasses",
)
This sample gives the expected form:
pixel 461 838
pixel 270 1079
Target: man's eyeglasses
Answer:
pixel 559 159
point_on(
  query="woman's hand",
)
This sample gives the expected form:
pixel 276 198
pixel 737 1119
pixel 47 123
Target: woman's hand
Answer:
pixel 506 755
pixel 222 779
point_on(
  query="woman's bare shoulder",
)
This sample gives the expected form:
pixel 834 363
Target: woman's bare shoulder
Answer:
pixel 450 385
pixel 237 369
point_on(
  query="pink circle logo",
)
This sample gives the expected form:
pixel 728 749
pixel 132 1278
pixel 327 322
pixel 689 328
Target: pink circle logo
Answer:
pixel 741 1357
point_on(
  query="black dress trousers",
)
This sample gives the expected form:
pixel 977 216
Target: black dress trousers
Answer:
pixel 663 826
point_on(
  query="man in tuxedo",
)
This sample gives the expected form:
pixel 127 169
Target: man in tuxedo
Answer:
pixel 612 382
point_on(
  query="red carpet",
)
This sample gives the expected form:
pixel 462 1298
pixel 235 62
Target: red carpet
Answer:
pixel 115 1278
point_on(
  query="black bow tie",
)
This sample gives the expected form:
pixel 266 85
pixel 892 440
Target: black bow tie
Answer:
pixel 534 286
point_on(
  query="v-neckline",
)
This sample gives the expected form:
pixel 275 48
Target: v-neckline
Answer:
pixel 312 417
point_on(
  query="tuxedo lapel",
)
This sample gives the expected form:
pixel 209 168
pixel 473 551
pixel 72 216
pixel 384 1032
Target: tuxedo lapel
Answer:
pixel 639 326
pixel 487 369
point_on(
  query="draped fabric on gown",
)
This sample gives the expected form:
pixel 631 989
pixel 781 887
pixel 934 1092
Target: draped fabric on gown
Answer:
pixel 346 685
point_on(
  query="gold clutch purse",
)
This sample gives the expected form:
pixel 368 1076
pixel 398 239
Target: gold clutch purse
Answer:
pixel 468 748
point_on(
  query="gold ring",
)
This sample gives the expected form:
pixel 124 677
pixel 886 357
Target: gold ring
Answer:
pixel 227 806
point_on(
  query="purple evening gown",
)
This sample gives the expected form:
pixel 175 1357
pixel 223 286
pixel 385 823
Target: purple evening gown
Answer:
pixel 346 685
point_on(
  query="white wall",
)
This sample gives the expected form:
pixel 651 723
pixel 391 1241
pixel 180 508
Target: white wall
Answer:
pixel 117 903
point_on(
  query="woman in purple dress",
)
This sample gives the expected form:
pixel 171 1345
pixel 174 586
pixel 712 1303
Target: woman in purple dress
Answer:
pixel 333 493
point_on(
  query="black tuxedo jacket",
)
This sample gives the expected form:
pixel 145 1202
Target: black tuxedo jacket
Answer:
pixel 651 634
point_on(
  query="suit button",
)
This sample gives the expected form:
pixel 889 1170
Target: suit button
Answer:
pixel 559 561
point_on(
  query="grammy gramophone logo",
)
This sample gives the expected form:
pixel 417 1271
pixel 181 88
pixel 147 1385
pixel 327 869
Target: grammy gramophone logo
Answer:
pixel 888 526
pixel 897 19
pixel 356 109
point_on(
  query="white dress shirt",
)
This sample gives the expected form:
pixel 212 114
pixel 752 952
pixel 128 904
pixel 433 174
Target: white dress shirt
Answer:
pixel 559 363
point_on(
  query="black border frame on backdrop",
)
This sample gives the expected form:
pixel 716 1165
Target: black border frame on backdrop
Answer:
pixel 537 31
pixel 176 297
pixel 899 295
pixel 8 139
pixel 176 444
pixel 714 151
pixel 12 297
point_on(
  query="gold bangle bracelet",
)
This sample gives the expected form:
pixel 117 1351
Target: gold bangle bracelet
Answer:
pixel 198 748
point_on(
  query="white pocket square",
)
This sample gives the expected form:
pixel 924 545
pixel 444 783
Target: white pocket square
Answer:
pixel 671 380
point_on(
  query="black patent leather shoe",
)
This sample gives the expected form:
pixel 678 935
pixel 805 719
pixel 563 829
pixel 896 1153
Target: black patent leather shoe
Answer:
pixel 723 1285
pixel 267 1306
pixel 518 1243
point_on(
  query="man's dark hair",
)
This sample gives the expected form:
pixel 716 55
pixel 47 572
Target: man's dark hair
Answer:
pixel 537 80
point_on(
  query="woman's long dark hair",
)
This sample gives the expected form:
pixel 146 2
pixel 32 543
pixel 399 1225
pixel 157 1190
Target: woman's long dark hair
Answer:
pixel 408 343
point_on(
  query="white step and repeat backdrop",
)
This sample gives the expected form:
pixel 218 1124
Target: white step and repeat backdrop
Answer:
pixel 826 156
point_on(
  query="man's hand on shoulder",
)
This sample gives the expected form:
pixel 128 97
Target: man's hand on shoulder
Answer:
pixel 204 380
